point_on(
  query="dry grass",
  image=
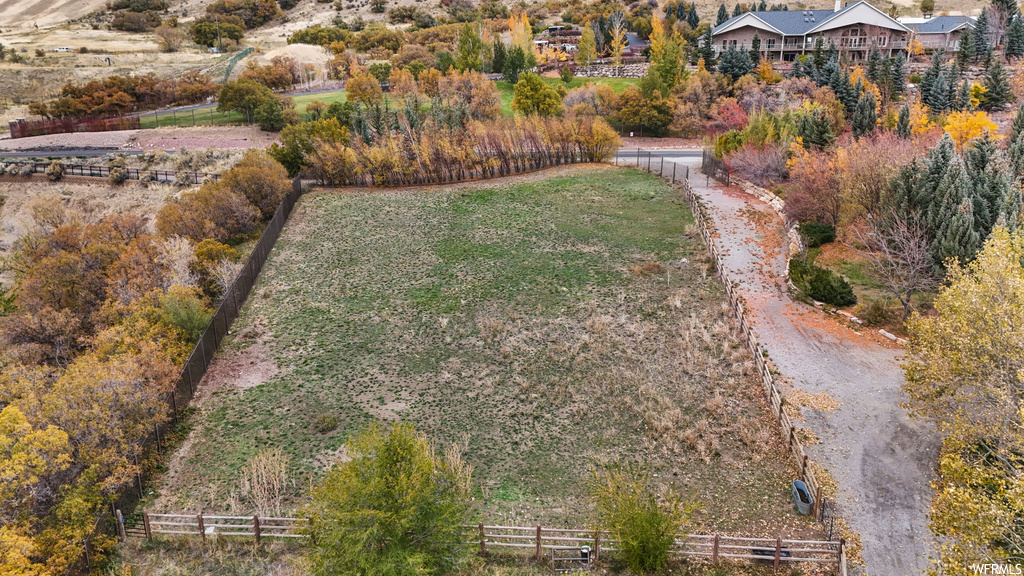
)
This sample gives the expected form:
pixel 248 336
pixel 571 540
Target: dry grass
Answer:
pixel 507 318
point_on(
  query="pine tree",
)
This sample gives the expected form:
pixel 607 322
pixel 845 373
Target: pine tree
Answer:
pixel 965 47
pixel 735 63
pixel 723 14
pixel 1015 38
pixel 1016 146
pixel 928 80
pixel 755 49
pixel 997 84
pixel 898 74
pixel 818 57
pixel 864 116
pixel 1010 211
pixel 991 179
pixel 798 70
pixel 692 18
pixel 707 52
pixel 815 130
pixel 982 45
pixel 736 11
pixel 958 239
pixel 962 98
pixel 903 123
pixel 762 6
pixel 939 159
pixel 874 68
pixel 680 11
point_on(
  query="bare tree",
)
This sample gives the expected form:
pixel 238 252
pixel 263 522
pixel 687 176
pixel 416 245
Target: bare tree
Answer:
pixel 897 249
pixel 170 38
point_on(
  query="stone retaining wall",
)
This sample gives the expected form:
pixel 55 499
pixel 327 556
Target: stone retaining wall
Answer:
pixel 612 71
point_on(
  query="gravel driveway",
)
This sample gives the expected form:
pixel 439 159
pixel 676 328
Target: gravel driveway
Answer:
pixel 882 461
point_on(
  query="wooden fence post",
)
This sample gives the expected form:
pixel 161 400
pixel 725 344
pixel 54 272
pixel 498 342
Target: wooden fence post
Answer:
pixel 597 545
pixel 714 550
pixel 202 528
pixel 674 166
pixel 539 530
pixel 120 525
pixel 145 525
pixel 778 551
pixel 256 527
pixel 842 557
pixel 483 539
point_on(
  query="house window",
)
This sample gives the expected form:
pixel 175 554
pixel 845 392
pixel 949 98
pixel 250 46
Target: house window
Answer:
pixel 733 43
pixel 853 38
pixel 725 44
pixel 882 41
pixel 771 43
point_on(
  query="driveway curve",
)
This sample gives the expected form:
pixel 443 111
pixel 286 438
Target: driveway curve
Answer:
pixel 882 461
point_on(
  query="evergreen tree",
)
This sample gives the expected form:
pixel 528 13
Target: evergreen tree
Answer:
pixel 723 14
pixel 1010 211
pixel 962 98
pixel 982 45
pixel 692 18
pixel 515 63
pixel 1007 7
pixel 735 63
pixel 762 6
pixel 1016 146
pixel 798 70
pixel 707 52
pixel 1015 38
pixel 954 187
pixel 498 56
pixel 755 49
pixel 897 74
pixel 680 11
pixel 939 158
pixel 998 88
pixel 989 174
pixel 957 239
pixel 928 79
pixel 903 123
pixel 965 47
pixel 899 201
pixel 874 68
pixel 814 129
pixel 938 96
pixel 864 116
pixel 818 56
pixel 736 11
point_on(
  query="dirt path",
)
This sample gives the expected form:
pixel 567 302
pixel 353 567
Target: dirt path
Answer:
pixel 882 461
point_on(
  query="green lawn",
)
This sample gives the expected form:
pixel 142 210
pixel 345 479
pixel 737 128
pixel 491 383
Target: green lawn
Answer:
pixel 328 97
pixel 199 117
pixel 548 326
pixel 617 84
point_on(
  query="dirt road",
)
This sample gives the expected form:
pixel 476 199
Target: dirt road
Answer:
pixel 882 461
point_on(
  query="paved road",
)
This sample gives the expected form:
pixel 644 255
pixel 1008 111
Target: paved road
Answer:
pixel 882 461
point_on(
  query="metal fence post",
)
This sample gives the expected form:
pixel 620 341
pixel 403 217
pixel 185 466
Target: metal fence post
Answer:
pixel 202 528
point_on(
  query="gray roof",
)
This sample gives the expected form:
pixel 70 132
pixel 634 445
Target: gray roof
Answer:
pixel 790 22
pixel 939 24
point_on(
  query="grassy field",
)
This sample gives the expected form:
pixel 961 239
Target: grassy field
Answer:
pixel 617 84
pixel 548 326
pixel 210 116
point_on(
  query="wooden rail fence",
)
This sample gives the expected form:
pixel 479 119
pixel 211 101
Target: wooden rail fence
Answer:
pixel 775 397
pixel 712 547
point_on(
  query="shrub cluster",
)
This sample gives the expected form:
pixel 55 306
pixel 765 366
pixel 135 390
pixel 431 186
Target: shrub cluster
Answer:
pixel 821 284
pixel 816 234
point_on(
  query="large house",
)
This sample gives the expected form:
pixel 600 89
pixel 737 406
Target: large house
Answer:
pixel 853 29
pixel 938 33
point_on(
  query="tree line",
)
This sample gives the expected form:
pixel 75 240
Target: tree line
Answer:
pixel 100 319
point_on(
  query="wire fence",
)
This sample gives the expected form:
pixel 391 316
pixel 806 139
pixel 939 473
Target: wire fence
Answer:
pixel 182 177
pixel 715 168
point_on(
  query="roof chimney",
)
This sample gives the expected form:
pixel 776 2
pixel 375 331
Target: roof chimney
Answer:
pixel 838 6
